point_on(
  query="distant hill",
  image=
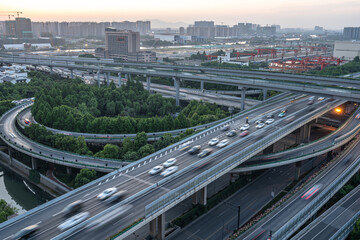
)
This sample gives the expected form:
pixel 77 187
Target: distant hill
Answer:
pixel 156 23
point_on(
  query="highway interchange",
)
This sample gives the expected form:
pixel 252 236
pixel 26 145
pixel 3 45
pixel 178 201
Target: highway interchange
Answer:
pixel 138 178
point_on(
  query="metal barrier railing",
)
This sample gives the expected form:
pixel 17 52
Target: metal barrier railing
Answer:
pixel 346 229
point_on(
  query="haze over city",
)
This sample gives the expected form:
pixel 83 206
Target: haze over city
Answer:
pixel 331 14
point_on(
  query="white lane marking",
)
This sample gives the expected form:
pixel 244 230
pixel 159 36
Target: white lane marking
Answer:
pixel 9 237
pixel 99 184
pixel 107 180
pixel 139 165
pixel 155 158
pixel 91 192
pixel 150 160
pixel 127 170
pixel 170 150
pixel 144 162
pixel 57 213
pixel 165 153
pixel 119 174
pixel 133 168
pixel 114 176
pixel 160 154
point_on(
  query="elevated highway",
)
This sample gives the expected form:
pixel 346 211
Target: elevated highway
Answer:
pixel 144 189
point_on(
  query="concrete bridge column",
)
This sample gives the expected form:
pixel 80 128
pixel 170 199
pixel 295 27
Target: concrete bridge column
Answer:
pixel 108 78
pixel 10 157
pixel 269 149
pixel 177 87
pixel 203 196
pixel 157 227
pixel 304 135
pixel 68 170
pixel 33 163
pixel 71 73
pixel 243 95
pixel 98 78
pixel 202 86
pixel 127 76
pixel 119 79
pixel 51 70
pixel 264 94
pixel 298 170
pixel 195 198
pixel 148 82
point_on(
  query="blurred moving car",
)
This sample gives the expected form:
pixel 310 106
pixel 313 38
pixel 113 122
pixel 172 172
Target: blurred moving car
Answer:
pixel 73 207
pixel 213 141
pixel 225 128
pixel 194 149
pixel 169 171
pixel 231 133
pixel 205 152
pixel 244 133
pixel 260 125
pixel 156 170
pixel 117 196
pixel 27 232
pixel 107 193
pixel 245 127
pixel 223 143
pixel 169 162
pixel 71 222
pixel 269 121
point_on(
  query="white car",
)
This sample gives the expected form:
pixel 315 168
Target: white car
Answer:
pixel 223 143
pixel 156 170
pixel 260 125
pixel 169 171
pixel 213 141
pixel 259 121
pixel 78 218
pixel 270 121
pixel 169 162
pixel 107 193
pixel 321 98
pixel 245 127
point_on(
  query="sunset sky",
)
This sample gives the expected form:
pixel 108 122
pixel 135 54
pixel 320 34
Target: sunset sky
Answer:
pixel 331 14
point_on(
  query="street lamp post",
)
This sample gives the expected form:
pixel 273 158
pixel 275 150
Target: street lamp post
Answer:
pixel 231 109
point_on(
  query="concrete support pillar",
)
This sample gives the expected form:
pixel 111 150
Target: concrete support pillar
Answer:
pixel 304 135
pixel 195 198
pixel 264 94
pixel 202 85
pixel 51 70
pixel 71 73
pixel 119 79
pixel 108 78
pixel 269 149
pixel 10 157
pixel 68 170
pixel 177 87
pixel 161 227
pixel 33 163
pixel 157 227
pixel 243 95
pixel 203 196
pixel 98 78
pixel 298 170
pixel 127 76
pixel 148 82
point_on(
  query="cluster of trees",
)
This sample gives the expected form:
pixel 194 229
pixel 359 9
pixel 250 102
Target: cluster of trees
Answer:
pixel 84 176
pixel 82 108
pixel 6 210
pixel 5 105
pixel 86 55
pixel 347 68
pixel 157 43
pixel 40 134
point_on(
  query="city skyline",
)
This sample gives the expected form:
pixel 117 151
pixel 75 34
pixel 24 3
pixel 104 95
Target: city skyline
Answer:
pixel 332 14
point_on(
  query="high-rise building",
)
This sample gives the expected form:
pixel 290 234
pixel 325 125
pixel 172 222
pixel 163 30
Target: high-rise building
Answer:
pixel 23 27
pixel 351 33
pixel 10 28
pixel 119 43
pixel 182 31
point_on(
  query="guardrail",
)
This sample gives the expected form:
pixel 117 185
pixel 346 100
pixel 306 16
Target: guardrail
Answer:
pixel 346 229
pixel 226 165
pixel 302 216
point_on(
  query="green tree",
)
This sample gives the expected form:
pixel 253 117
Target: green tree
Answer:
pixel 85 176
pixel 146 150
pixel 6 210
pixel 355 234
pixel 109 151
pixel 140 140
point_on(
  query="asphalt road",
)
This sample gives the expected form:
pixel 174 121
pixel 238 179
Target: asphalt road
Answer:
pixel 138 178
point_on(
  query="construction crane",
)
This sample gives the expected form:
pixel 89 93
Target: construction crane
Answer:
pixel 9 15
pixel 17 13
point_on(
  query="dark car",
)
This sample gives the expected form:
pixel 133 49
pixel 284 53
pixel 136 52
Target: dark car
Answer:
pixel 231 133
pixel 270 116
pixel 194 149
pixel 205 152
pixel 27 232
pixel 73 208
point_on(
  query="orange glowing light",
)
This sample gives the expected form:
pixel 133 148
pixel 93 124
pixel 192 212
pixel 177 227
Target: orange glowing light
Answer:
pixel 338 110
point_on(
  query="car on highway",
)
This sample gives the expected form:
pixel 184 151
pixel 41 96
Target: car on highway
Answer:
pixel 312 98
pixel 156 170
pixel 282 114
pixel 269 121
pixel 116 196
pixel 169 162
pixel 107 193
pixel 357 116
pixel 27 121
pixel 321 98
pixel 73 207
pixel 27 232
pixel 194 149
pixel 185 145
pixel 223 143
pixel 245 127
pixel 308 194
pixel 232 133
pixel 225 128
pixel 169 171
pixel 259 121
pixel 205 152
pixel 244 133
pixel 310 102
pixel 270 115
pixel 289 119
pixel 213 141
pixel 260 125
pixel 71 222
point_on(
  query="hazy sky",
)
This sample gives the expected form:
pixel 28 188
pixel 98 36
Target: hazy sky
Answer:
pixel 331 14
